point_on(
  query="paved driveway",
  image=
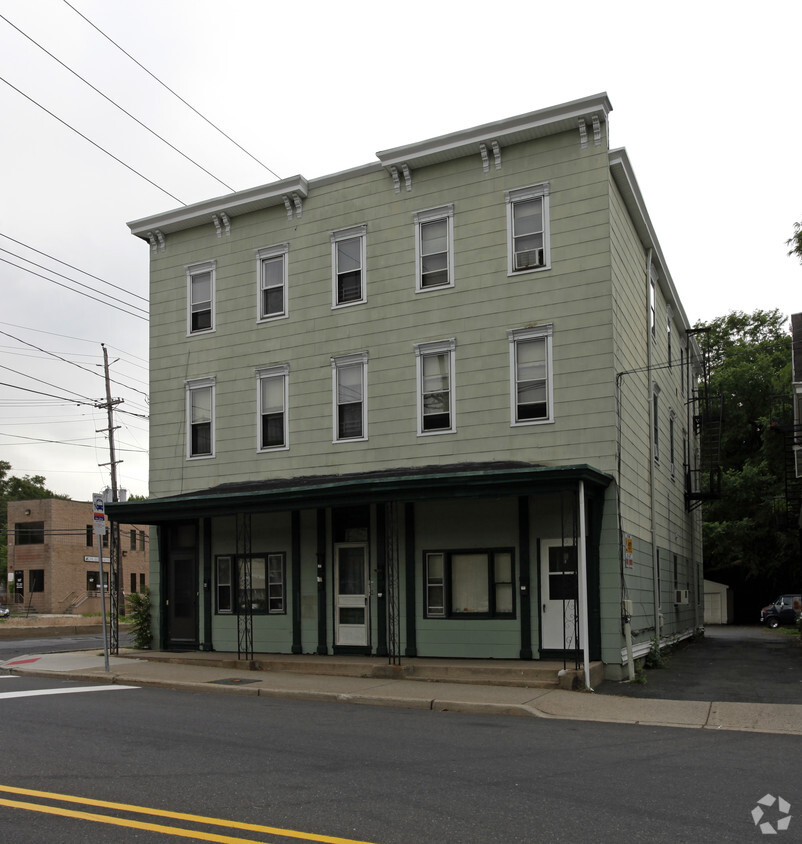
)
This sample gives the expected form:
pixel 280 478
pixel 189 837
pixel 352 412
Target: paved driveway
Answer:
pixel 732 664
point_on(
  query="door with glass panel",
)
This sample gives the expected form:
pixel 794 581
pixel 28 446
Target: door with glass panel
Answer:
pixel 352 595
pixel 559 594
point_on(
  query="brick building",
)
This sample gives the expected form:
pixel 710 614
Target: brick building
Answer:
pixel 53 556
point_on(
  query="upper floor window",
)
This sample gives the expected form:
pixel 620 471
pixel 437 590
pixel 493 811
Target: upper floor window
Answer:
pixel 528 229
pixel 273 407
pixel 348 263
pixel 656 422
pixel 200 417
pixel 435 370
pixel 653 301
pixel 349 382
pixel 272 269
pixel 29 533
pixel 200 297
pixel 531 386
pixel 434 247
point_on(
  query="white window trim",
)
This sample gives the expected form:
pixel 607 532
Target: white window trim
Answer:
pixel 672 429
pixel 444 212
pixel 516 335
pixel 656 423
pixel 263 374
pixel 279 250
pixel 349 360
pixel 189 387
pixel 437 347
pixel 196 269
pixel 336 237
pixel 520 195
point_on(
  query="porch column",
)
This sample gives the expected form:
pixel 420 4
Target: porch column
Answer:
pixel 322 647
pixel 296 581
pixel 525 578
pixel 206 533
pixel 409 593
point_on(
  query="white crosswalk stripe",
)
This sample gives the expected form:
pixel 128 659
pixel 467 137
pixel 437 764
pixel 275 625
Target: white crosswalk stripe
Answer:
pixel 78 690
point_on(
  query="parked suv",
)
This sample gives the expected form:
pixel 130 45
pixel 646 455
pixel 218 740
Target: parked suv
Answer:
pixel 785 610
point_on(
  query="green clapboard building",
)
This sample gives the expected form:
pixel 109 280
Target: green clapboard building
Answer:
pixel 440 405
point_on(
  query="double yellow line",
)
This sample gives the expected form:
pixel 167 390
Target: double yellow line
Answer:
pixel 160 813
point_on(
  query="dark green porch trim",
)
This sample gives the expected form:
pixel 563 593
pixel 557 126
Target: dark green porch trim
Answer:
pixel 322 645
pixel 206 533
pixel 409 564
pixel 525 579
pixel 295 564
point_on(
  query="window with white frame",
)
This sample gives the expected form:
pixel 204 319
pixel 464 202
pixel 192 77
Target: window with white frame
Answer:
pixel 531 386
pixel 273 395
pixel 200 417
pixel 528 229
pixel 349 388
pixel 435 371
pixel 348 265
pixel 461 584
pixel 272 270
pixel 653 301
pixel 200 297
pixel 266 592
pixel 434 248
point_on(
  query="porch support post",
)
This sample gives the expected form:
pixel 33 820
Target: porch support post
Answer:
pixel 162 538
pixel 409 580
pixel 583 585
pixel 381 581
pixel 206 533
pixel 296 581
pixel 525 577
pixel 322 647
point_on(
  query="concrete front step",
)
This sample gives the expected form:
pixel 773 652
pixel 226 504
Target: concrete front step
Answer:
pixel 536 674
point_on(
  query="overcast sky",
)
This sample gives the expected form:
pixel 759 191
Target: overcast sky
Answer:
pixel 705 99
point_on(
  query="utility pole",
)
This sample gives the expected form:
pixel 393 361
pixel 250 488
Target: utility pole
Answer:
pixel 115 567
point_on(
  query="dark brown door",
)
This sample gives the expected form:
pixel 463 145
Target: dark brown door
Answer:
pixel 182 602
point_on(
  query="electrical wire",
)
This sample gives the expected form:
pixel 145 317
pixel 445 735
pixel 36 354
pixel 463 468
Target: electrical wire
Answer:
pixel 71 266
pixel 94 144
pixel 117 105
pixel 168 88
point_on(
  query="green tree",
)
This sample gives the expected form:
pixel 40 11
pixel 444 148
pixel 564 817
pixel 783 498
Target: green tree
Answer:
pixel 746 543
pixel 795 242
pixel 13 488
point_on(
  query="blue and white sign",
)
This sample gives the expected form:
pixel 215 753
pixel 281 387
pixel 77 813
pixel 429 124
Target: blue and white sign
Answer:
pixel 99 514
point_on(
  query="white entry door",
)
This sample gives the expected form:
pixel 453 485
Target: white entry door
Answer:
pixel 558 596
pixel 351 597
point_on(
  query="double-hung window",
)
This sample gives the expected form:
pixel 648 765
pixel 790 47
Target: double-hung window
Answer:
pixel 272 398
pixel 434 248
pixel 348 266
pixel 200 417
pixel 349 388
pixel 528 229
pixel 258 587
pixel 435 371
pixel 200 297
pixel 656 422
pixel 272 271
pixel 461 584
pixel 531 386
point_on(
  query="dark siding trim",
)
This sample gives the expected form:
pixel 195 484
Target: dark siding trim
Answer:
pixel 525 579
pixel 295 564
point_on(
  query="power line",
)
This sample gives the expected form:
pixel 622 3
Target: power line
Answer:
pixel 116 105
pixel 64 442
pixel 46 383
pixel 168 88
pixel 94 144
pixel 49 395
pixel 78 269
pixel 72 289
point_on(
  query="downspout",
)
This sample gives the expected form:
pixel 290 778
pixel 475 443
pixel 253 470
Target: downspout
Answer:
pixel 583 588
pixel 652 478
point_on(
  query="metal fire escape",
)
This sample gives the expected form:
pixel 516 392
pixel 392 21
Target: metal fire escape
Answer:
pixel 706 411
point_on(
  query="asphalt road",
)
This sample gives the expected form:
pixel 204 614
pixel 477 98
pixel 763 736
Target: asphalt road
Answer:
pixel 730 664
pixel 365 774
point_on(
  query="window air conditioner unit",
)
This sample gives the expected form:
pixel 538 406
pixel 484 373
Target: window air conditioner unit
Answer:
pixel 680 596
pixel 530 258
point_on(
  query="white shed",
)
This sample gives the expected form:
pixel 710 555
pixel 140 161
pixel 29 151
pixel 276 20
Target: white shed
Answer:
pixel 718 603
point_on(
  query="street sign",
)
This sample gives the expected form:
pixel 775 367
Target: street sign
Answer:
pixel 99 517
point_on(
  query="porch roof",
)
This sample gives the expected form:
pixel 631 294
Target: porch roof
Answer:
pixel 461 480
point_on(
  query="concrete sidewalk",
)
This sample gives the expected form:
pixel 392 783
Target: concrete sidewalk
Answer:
pixel 196 673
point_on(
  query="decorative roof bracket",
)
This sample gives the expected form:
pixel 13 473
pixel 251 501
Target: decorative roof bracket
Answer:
pixel 407 175
pixel 485 159
pixel 496 153
pixel 596 130
pixel 583 133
